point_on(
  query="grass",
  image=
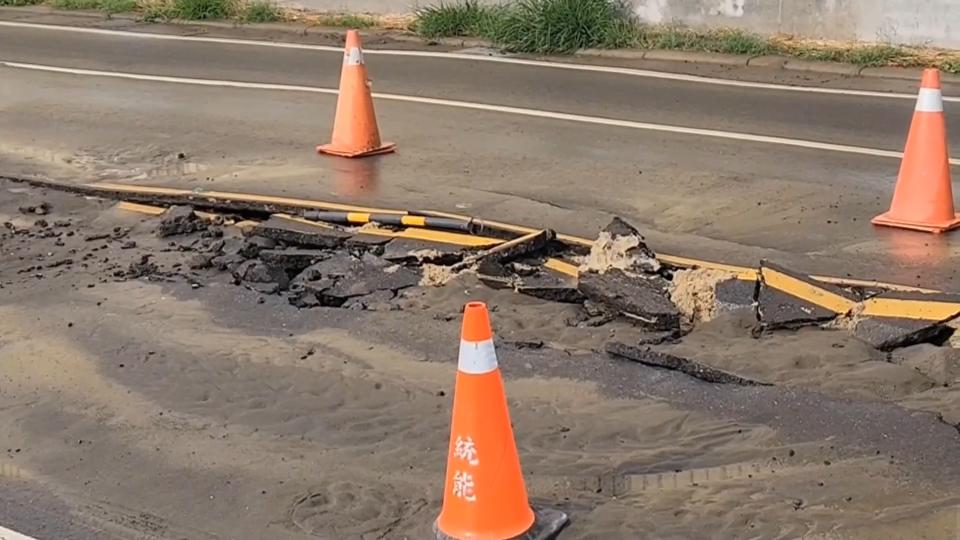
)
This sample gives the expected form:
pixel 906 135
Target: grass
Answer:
pixel 248 11
pixel 565 26
pixel 108 6
pixel 346 21
pixel 469 18
pixel 260 11
pixel 204 10
pixel 561 26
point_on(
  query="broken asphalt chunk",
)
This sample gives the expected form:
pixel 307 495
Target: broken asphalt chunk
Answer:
pixel 254 271
pixel 292 260
pixel 735 294
pixel 895 319
pixel 253 245
pixel 647 356
pixel 791 300
pixel 376 301
pixel 643 299
pixel 40 209
pixel 292 231
pixel 552 287
pixel 371 279
pixel 179 219
pixel 227 262
pixel 407 251
pixel 889 333
pixel 141 268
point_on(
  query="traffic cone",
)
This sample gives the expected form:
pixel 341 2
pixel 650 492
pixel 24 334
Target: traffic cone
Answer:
pixel 484 495
pixel 355 132
pixel 923 198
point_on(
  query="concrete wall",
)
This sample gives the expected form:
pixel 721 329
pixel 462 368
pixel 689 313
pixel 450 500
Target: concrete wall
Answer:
pixel 932 22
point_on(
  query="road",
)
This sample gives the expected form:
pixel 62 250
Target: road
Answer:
pixel 148 410
pixel 714 197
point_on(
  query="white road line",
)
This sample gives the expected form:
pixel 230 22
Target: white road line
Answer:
pixel 479 58
pixel 7 534
pixel 536 113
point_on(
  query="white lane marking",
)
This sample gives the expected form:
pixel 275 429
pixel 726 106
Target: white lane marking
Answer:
pixel 536 113
pixel 479 58
pixel 7 534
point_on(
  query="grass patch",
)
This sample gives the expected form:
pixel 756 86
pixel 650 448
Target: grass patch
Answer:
pixel 867 56
pixel 951 66
pixel 158 11
pixel 204 10
pixel 260 11
pixel 469 18
pixel 562 26
pixel 346 20
pixel 20 3
pixel 108 6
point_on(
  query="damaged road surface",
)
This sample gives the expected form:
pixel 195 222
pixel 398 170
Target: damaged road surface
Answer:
pixel 247 375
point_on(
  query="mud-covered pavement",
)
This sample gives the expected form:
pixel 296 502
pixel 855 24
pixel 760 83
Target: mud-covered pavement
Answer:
pixel 174 403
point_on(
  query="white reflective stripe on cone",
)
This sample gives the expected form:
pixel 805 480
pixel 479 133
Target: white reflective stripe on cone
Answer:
pixel 930 100
pixel 477 358
pixel 353 57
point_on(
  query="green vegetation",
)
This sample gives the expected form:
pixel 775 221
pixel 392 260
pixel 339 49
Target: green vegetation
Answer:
pixel 108 6
pixel 204 10
pixel 868 56
pixel 346 21
pixel 469 18
pixel 565 26
pixel 250 11
pixel 260 11
pixel 562 26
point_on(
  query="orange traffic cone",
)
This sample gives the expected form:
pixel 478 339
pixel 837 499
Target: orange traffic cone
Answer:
pixel 484 496
pixel 923 198
pixel 355 132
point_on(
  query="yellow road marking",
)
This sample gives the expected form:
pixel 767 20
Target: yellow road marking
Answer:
pixel 141 208
pixel 563 267
pixel 739 272
pixel 910 309
pixel 806 291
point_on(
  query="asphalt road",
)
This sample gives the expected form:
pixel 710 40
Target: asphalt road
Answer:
pixel 709 197
pixel 701 196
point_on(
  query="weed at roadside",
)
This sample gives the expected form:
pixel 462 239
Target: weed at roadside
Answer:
pixel 260 11
pixel 108 6
pixel 203 10
pixel 469 18
pixel 347 20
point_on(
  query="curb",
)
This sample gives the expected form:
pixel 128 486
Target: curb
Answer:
pixel 784 63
